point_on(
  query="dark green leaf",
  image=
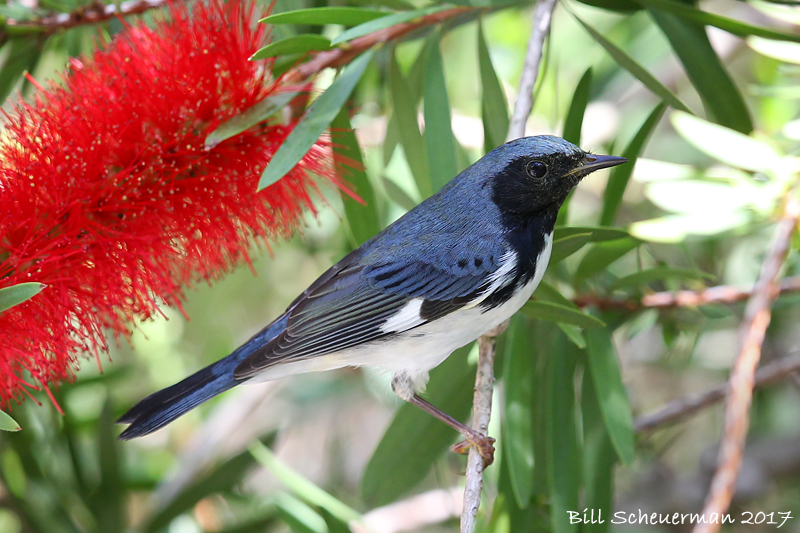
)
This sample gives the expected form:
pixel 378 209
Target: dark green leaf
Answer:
pixel 384 22
pixel 619 177
pixel 601 255
pixel 7 423
pixel 16 294
pixel 638 71
pixel 573 124
pixel 566 246
pixel 255 115
pixel 494 106
pixel 554 312
pixel 405 111
pixel 518 378
pixel 363 220
pixel 611 394
pixel 623 6
pixel 108 501
pixel 398 195
pixel 316 120
pixel 741 29
pixel 22 55
pixel 298 44
pixel 415 439
pixel 659 273
pixel 596 234
pixel 346 16
pixel 548 293
pixel 574 334
pixel 720 95
pixel 438 132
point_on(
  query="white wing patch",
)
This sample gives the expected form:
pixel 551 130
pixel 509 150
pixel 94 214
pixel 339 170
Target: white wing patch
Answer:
pixel 406 318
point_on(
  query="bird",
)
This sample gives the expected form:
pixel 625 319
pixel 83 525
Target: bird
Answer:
pixel 459 264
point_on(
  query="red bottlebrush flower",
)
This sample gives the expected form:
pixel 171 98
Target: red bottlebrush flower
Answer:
pixel 108 196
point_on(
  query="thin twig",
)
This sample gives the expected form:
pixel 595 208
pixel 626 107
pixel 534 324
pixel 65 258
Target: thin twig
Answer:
pixel 682 408
pixel 91 14
pixel 530 70
pixel 722 294
pixel 757 316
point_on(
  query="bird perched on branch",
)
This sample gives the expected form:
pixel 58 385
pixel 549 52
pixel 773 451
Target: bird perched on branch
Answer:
pixel 458 265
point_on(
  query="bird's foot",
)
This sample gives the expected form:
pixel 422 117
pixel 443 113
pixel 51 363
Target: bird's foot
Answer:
pixel 483 443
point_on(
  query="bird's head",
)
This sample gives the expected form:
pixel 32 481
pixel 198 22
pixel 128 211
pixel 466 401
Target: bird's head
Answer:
pixel 537 173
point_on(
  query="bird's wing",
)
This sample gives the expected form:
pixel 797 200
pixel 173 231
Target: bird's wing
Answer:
pixel 354 303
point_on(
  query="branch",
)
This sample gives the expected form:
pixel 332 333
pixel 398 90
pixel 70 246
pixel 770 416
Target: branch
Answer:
pixel 757 316
pixel 530 70
pixel 682 408
pixel 91 14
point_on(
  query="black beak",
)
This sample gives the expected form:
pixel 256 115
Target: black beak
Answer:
pixel 596 162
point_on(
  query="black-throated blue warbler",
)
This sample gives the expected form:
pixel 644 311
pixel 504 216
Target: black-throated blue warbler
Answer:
pixel 454 267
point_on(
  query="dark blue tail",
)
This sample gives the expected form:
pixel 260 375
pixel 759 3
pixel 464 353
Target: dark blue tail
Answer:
pixel 164 406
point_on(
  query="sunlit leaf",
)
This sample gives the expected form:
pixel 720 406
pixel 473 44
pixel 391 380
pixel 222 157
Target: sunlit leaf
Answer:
pixel 595 233
pixel 611 394
pixel 384 22
pixel 438 132
pixel 494 107
pixel 7 423
pixel 554 312
pixel 785 13
pixel 255 115
pixel 346 16
pixel 16 294
pixel 297 44
pixel 675 228
pixel 315 121
pixel 299 516
pixel 782 51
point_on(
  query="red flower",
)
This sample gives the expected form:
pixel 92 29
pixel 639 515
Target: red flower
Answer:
pixel 108 196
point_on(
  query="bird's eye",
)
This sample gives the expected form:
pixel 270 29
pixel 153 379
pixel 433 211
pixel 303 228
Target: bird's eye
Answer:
pixel 536 169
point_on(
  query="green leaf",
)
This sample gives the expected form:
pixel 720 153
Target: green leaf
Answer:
pixel 319 16
pixel 563 459
pixel 415 439
pixel 554 312
pixel 301 486
pixel 573 124
pixel 786 52
pixel 725 144
pixel 16 294
pixel 601 255
pixel 720 95
pixel 7 423
pixel 107 501
pixel 300 517
pixel 659 273
pixel 741 29
pixel 619 177
pixel 574 334
pixel 384 22
pixel 22 55
pixel 596 233
pixel 675 228
pixel 298 44
pixel 611 394
pixel 638 71
pixel 363 220
pixel 622 6
pixel 566 246
pixel 405 111
pixel 398 195
pixel 494 106
pixel 316 120
pixel 253 116
pixel 548 293
pixel 438 132
pixel 518 378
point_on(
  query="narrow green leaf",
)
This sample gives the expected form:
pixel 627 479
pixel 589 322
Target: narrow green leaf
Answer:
pixel 384 22
pixel 319 16
pixel 494 106
pixel 727 145
pixel 7 423
pixel 563 471
pixel 566 246
pixel 621 6
pixel 300 517
pixel 405 110
pixel 438 132
pixel 398 195
pixel 659 273
pixel 297 44
pixel 301 486
pixel 738 28
pixel 518 378
pixel 720 95
pixel 22 55
pixel 611 394
pixel 415 439
pixel 548 293
pixel 573 124
pixel 107 502
pixel 316 120
pixel 601 255
pixel 786 52
pixel 619 177
pixel 363 220
pixel 574 334
pixel 638 71
pixel 596 233
pixel 554 312
pixel 253 116
pixel 16 294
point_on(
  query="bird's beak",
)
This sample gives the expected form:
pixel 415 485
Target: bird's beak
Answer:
pixel 596 162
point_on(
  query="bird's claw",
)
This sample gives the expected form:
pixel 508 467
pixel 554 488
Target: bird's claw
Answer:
pixel 483 443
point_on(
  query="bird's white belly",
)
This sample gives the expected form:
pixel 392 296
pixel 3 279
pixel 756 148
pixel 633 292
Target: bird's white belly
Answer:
pixel 418 350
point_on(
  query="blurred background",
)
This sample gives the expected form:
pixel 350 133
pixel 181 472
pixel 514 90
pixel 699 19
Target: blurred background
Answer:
pixel 317 452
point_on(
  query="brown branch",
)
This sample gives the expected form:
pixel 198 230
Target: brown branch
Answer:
pixel 722 294
pixel 682 408
pixel 91 14
pixel 757 315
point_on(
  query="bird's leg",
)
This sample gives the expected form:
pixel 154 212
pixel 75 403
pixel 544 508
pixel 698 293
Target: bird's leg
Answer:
pixel 403 386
